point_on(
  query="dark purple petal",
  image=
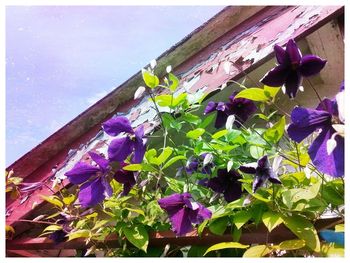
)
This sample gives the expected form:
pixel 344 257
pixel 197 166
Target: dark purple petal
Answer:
pixel 221 106
pixel 119 149
pixel 91 193
pixel 139 132
pixel 281 55
pixel 140 149
pixel 125 177
pixel 258 182
pixel 200 214
pixel 203 182
pixel 332 164
pixel 221 118
pixel 102 162
pixel 192 165
pixel 233 192
pixel 174 200
pixel 298 133
pixel 274 180
pixel 293 52
pixel 306 121
pixel 247 169
pixel 117 125
pixel 293 83
pixel 304 117
pixel 311 65
pixel 217 184
pixel 210 107
pixel 277 76
pixel 58 236
pixel 107 186
pixel 81 172
pixel 180 222
pixel 341 86
pixel 242 109
pixel 263 162
pixel 328 105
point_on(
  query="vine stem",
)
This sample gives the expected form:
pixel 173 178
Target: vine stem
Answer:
pixel 316 92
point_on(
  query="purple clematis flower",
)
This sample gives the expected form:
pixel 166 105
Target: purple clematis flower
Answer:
pixel 327 150
pixel 263 171
pixel 291 68
pixel 226 183
pixel 127 178
pixel 58 236
pixel 95 186
pixel 120 148
pixel 183 212
pixel 241 108
pixel 195 164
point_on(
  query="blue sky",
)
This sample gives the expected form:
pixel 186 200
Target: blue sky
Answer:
pixel 62 59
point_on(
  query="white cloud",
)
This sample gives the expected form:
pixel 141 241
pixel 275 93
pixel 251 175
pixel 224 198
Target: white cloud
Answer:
pixel 93 99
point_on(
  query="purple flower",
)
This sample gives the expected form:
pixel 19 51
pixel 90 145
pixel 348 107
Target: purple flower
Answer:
pixel 226 183
pixel 58 236
pixel 263 171
pixel 127 178
pixel 241 108
pixel 183 212
pixel 120 148
pixel 95 186
pixel 292 67
pixel 195 164
pixel 327 150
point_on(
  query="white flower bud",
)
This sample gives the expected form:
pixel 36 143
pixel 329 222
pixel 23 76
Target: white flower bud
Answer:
pixel 139 92
pixel 301 88
pixel 229 165
pixel 283 89
pixel 208 159
pixel 153 63
pixel 230 120
pixel 168 69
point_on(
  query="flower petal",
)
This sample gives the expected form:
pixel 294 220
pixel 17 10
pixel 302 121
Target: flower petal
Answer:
pixel 281 55
pixel 180 222
pixel 199 215
pixel 297 133
pixel 277 76
pixel 119 149
pixel 91 193
pixel 293 83
pixel 242 109
pixel 173 201
pixel 108 189
pixel 210 107
pixel 258 182
pixel 328 105
pixel 102 162
pixel 247 169
pixel 117 125
pixel 311 65
pixel 332 164
pixel 293 51
pixel 140 149
pixel 81 172
pixel 221 118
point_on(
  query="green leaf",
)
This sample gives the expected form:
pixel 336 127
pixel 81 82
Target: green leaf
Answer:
pixel 175 185
pixel 225 245
pixel 202 226
pixel 166 100
pixel 137 235
pixel 256 151
pixel 150 154
pixel 290 197
pixel 99 224
pixel 257 251
pixel 241 217
pixel 209 119
pixel 255 94
pixel 218 226
pixel 304 230
pixel 150 79
pixel 69 199
pixel 52 228
pixel 173 160
pixel 271 92
pixel 339 228
pixel 195 134
pixel 196 251
pixel 139 167
pixel 138 211
pixel 219 134
pixel 163 156
pixel 52 200
pixel 79 234
pixel 174 82
pixel 275 133
pixel 291 244
pixel 271 220
pixel 190 118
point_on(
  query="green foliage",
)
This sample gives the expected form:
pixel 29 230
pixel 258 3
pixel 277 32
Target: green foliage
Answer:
pixel 137 235
pixel 271 220
pixel 224 245
pixel 257 251
pixel 275 133
pixel 150 79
